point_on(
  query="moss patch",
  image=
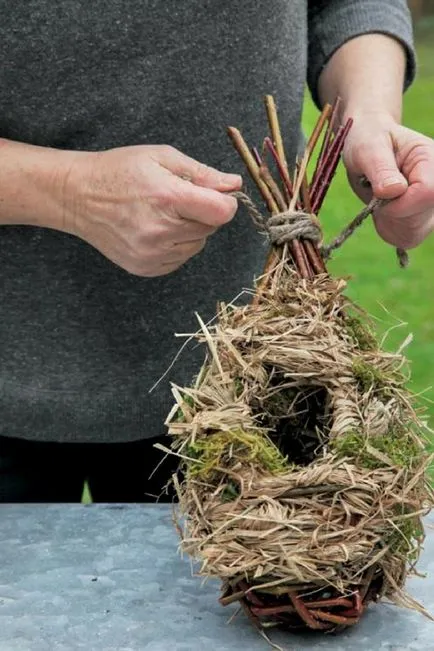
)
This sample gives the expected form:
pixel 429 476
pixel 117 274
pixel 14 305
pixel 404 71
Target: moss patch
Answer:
pixel 361 333
pixel 398 446
pixel 221 450
pixel 369 378
pixel 406 538
pixel 367 375
pixel 230 492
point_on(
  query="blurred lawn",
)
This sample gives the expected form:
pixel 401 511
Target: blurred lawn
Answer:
pixel 390 294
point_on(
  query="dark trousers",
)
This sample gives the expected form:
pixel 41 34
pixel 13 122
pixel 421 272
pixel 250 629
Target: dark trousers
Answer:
pixel 55 472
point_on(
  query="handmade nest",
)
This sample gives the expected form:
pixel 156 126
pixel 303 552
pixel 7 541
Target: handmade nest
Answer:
pixel 302 480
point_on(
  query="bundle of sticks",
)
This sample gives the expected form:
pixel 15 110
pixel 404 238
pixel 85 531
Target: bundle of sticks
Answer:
pixel 297 193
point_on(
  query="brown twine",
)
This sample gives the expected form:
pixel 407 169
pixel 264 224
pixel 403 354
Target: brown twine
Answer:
pixel 373 205
pixel 285 226
pixel 292 224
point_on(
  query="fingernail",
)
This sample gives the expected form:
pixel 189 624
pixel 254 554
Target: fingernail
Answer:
pixel 392 180
pixel 231 180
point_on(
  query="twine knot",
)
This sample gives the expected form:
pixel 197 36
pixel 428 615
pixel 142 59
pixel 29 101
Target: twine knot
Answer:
pixel 286 226
pixel 291 224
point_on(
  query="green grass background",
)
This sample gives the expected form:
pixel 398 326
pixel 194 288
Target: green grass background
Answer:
pixel 393 296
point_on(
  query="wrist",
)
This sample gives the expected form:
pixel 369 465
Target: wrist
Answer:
pixel 80 193
pixel 368 73
pixel 32 184
pixel 366 114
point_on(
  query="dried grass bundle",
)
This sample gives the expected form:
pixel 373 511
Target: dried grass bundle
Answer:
pixel 303 470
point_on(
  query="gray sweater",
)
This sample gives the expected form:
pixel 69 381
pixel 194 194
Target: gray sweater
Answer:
pixel 81 341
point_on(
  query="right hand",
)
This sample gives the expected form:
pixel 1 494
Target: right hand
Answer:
pixel 133 205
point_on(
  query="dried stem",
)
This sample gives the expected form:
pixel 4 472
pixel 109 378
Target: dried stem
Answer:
pixel 300 176
pixel 276 133
pixel 253 168
pixel 330 165
pixel 305 267
pixel 274 188
pixel 282 171
pixel 305 194
pixel 297 195
pixel 315 257
pixel 318 128
pixel 296 248
pixel 327 138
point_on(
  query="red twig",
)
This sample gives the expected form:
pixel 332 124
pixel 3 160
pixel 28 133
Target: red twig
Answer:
pixel 306 255
pixel 327 603
pixel 327 138
pixel 335 619
pixel 282 171
pixel 272 610
pixel 330 166
pixel 305 614
pixel 250 594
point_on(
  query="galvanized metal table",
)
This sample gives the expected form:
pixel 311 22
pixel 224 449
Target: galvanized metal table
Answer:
pixel 110 578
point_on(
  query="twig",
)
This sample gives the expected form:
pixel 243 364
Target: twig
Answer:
pixel 325 114
pixel 274 188
pixel 305 194
pixel 282 171
pixel 276 133
pixel 306 254
pixel 327 138
pixel 253 168
pixel 330 166
pixel 355 223
pixel 296 247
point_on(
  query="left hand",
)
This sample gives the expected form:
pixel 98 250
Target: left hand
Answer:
pixel 399 164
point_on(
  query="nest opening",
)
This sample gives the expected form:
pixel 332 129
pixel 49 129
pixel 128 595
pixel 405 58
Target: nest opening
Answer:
pixel 298 419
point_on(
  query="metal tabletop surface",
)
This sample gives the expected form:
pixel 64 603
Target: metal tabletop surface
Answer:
pixel 110 578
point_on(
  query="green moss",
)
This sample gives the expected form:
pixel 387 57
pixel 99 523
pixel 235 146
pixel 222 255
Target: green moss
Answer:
pixel 361 333
pixel 369 378
pixel 367 375
pixel 219 450
pixel 405 537
pixel 239 387
pixel 230 492
pixel 398 445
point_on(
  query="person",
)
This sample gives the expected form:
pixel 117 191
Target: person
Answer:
pixel 117 220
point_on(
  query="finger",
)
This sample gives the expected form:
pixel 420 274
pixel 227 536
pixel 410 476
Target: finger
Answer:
pixel 183 251
pixel 408 220
pixel 361 187
pixel 194 171
pixel 202 205
pixel 173 259
pixel 189 231
pixel 417 199
pixel 377 162
pixel 404 232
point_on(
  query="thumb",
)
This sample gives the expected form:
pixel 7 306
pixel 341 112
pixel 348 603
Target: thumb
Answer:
pixel 198 173
pixel 378 164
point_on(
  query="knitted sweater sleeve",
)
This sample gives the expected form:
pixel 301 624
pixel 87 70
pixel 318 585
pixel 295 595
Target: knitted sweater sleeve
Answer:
pixel 331 23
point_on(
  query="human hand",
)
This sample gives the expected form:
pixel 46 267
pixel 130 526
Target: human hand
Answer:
pixel 399 165
pixel 133 205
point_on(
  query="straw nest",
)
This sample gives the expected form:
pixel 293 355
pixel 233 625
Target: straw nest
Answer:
pixel 302 482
